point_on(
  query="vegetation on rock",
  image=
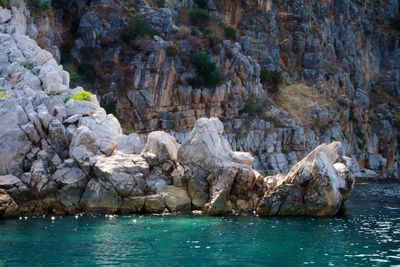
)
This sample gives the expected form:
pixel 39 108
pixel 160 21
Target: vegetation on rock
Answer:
pixel 253 107
pixel 4 94
pixel 271 79
pixel 207 72
pixel 80 96
pixel 78 71
pixel 172 50
pixel 230 33
pixel 37 7
pixel 199 17
pixel 138 27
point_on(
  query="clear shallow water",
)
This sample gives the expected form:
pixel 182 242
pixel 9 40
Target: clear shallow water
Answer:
pixel 368 236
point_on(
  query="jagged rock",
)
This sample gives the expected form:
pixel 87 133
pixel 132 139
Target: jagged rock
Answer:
pixel 162 144
pixel 15 188
pixel 80 107
pixel 8 207
pixel 129 144
pixel 31 132
pixel 57 137
pixel 154 203
pixel 125 172
pixel 132 204
pixel 207 147
pixel 176 199
pixel 178 175
pixel 100 196
pixel 71 182
pixel 41 183
pixel 5 15
pixel 44 115
pixel 54 79
pixel 213 166
pixel 14 143
pixel 106 135
pixel 312 187
pixel 83 146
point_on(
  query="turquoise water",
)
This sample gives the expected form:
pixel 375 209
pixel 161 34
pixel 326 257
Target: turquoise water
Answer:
pixel 368 236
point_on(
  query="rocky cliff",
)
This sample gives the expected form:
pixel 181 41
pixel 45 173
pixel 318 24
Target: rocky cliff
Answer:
pixel 61 153
pixel 295 73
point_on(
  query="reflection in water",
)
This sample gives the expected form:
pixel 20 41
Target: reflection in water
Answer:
pixel 369 235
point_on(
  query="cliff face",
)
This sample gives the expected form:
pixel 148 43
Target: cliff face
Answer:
pixel 61 153
pixel 339 61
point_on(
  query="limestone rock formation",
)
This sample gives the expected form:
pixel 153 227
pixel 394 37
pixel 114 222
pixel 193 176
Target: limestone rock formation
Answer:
pixel 61 155
pixel 212 166
pixel 338 60
pixel 318 185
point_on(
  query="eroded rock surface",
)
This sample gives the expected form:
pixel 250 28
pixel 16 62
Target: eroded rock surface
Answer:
pixel 64 156
pixel 318 185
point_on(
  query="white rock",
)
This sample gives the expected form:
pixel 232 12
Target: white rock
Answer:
pixel 5 15
pixel 162 144
pixel 129 144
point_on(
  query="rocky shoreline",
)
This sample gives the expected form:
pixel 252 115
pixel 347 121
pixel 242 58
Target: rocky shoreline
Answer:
pixel 64 156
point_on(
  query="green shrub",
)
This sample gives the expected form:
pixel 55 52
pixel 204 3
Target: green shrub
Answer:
pixel 4 94
pixel 230 33
pixel 172 50
pixel 361 146
pixel 3 3
pixel 183 32
pixel 37 6
pixel 138 27
pixel 271 79
pixel 229 53
pixel 87 72
pixel 395 23
pixel 214 43
pixel 70 64
pixel 111 108
pixel 207 73
pixel 80 96
pixel 28 64
pixel 199 17
pixel 74 77
pixel 254 107
pixel 201 3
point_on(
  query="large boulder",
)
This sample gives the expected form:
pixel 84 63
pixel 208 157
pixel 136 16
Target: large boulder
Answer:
pixel 212 167
pixel 106 129
pixel 100 196
pixel 41 183
pixel 83 146
pixel 71 182
pixel 125 172
pixel 15 143
pixel 208 148
pixel 163 145
pixel 129 144
pixel 8 207
pixel 315 186
pixel 176 199
pixel 15 188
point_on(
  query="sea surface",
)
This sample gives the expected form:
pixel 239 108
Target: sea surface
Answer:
pixel 369 235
